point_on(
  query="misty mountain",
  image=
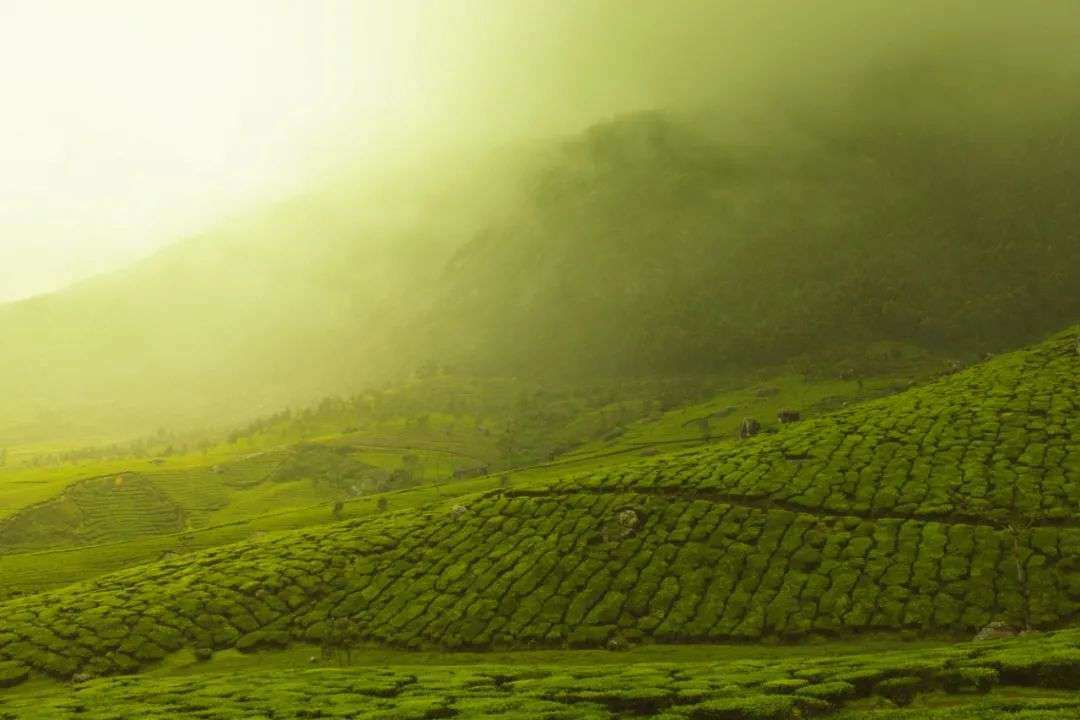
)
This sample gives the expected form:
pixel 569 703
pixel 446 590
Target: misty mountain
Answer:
pixel 661 244
pixel 255 315
pixel 902 205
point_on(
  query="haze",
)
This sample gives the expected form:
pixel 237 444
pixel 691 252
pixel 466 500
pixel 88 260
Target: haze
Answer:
pixel 128 125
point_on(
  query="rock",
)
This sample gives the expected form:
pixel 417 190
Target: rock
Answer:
pixel 767 392
pixel 81 678
pixel 996 630
pixel 313 660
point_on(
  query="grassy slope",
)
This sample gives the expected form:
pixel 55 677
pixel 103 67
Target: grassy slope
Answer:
pixel 60 526
pixel 891 516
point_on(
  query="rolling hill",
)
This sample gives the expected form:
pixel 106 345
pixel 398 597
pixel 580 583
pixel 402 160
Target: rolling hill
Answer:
pixel 930 513
pixel 76 514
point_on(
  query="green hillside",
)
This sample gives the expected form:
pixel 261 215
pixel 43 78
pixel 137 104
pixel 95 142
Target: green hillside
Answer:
pixel 411 445
pixel 664 242
pixel 930 513
pixel 94 511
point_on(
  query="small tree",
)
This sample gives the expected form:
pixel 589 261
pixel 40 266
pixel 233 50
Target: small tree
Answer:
pixel 1019 528
pixel 703 427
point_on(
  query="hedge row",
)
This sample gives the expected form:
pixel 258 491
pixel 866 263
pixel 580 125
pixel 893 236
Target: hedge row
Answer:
pixel 781 689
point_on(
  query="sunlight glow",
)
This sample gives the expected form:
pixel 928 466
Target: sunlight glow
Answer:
pixel 127 123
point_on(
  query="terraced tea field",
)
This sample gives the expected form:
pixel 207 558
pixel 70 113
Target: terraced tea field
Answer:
pixel 105 509
pixel 922 513
pixel 159 500
pixel 281 480
pixel 927 514
pixel 1039 673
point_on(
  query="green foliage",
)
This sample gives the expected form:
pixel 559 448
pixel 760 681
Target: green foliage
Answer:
pixel 761 707
pixel 829 691
pixel 900 690
pixel 12 673
pixel 971 679
pixel 333 465
pixel 105 509
pixel 569 685
pixel 731 542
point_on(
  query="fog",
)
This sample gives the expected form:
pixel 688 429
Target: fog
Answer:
pixel 129 126
pixel 589 186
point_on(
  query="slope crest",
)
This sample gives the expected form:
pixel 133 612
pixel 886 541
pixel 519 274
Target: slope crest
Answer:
pixel 996 444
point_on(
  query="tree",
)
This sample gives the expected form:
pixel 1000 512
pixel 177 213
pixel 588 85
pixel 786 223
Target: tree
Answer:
pixel 1019 528
pixel 703 427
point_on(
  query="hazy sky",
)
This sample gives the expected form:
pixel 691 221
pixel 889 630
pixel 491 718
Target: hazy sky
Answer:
pixel 127 124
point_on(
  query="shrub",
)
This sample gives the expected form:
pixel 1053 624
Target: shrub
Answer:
pixel 261 640
pixel 900 690
pixel 12 674
pixel 970 679
pixel 784 686
pixel 754 707
pixel 828 691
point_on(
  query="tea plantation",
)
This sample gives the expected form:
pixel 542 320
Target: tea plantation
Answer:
pixel 927 514
pixel 115 507
pixel 1038 673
